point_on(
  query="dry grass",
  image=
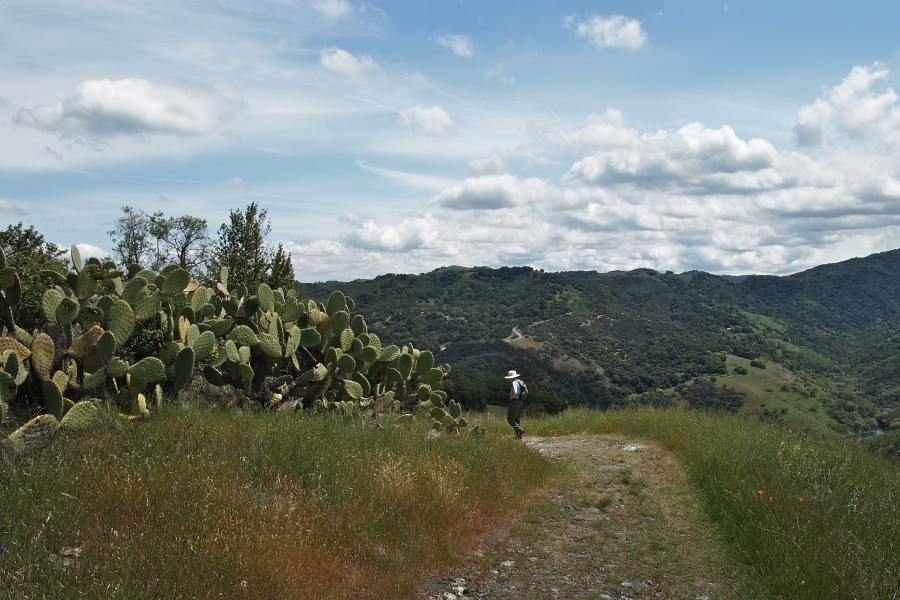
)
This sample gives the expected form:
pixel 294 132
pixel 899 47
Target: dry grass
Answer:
pixel 202 504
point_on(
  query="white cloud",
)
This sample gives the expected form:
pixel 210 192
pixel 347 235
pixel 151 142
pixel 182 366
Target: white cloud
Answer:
pixel 498 73
pixel 103 108
pixel 615 31
pixel 491 192
pixel 11 208
pixel 602 131
pixel 333 8
pixel 489 165
pixel 428 120
pixel 461 45
pixel 88 251
pixel 693 157
pixel 358 68
pixel 853 109
pixel 235 182
pixel 410 234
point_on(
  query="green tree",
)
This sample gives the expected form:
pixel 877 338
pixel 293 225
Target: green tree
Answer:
pixel 154 241
pixel 242 248
pixel 281 271
pixel 30 253
pixel 180 240
pixel 132 239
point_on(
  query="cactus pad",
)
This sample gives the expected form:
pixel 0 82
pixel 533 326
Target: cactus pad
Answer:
pixel 80 416
pixel 66 311
pixel 353 389
pixel 43 354
pixel 243 336
pixel 53 399
pixel 120 320
pixel 220 326
pixel 346 363
pixel 33 433
pixel 8 343
pixel 175 282
pixel 424 363
pixel 336 302
pixel 94 380
pixel 266 298
pixel 369 354
pixel 86 285
pixel 346 339
pixel 213 376
pixel 389 354
pixel 7 388
pixel 310 337
pixel 184 368
pixel 404 365
pixel 204 345
pixel 89 316
pixel 49 301
pixel 86 342
pixel 340 320
pixel 148 369
pixel 270 345
pixel 433 377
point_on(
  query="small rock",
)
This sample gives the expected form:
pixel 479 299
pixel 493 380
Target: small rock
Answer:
pixel 613 467
pixel 508 564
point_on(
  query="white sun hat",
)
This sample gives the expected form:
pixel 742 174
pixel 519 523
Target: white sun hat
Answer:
pixel 512 375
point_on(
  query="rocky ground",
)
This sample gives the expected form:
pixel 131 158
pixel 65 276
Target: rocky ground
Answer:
pixel 620 523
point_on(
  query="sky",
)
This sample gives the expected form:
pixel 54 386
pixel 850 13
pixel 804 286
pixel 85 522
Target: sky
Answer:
pixel 752 136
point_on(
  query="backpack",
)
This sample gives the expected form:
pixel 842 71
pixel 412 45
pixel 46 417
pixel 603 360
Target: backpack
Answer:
pixel 523 391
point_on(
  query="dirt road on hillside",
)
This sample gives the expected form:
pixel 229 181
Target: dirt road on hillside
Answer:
pixel 620 524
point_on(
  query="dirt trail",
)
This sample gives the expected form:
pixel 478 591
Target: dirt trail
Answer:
pixel 620 524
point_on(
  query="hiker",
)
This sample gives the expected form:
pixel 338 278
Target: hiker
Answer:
pixel 517 393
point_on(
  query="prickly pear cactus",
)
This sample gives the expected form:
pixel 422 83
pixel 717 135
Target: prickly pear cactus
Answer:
pixel 272 346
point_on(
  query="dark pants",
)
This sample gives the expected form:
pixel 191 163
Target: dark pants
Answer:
pixel 514 415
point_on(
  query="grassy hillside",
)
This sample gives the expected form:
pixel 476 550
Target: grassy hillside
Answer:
pixel 199 504
pixel 604 339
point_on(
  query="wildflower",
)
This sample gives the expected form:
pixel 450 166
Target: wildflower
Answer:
pixel 771 499
pixel 760 492
pixel 3 549
pixel 799 498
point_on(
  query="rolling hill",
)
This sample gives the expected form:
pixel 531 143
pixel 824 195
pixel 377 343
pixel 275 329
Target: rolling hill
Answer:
pixel 817 348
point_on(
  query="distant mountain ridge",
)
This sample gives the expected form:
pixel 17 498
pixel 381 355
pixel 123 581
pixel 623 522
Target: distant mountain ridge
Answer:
pixel 642 336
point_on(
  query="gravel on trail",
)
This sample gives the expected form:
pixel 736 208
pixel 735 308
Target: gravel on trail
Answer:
pixel 620 523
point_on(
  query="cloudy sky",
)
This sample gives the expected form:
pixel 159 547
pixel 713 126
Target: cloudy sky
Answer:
pixel 753 136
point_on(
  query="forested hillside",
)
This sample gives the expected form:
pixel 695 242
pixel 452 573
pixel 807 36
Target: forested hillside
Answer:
pixel 817 347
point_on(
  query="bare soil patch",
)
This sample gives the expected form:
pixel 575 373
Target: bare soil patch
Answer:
pixel 620 523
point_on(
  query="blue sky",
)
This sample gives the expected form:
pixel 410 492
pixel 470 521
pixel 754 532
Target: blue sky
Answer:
pixel 739 137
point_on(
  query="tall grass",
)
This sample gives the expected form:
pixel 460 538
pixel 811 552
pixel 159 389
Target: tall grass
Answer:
pixel 199 504
pixel 817 518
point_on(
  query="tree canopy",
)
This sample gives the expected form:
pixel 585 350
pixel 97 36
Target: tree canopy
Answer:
pixel 242 248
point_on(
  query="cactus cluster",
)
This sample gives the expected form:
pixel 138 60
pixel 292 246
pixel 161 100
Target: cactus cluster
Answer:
pixel 273 346
pixel 90 315
pixel 283 351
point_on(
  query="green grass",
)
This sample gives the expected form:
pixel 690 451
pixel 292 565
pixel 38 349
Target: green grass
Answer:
pixel 199 504
pixel 816 518
pixel 763 389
